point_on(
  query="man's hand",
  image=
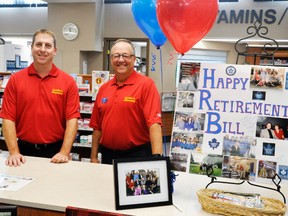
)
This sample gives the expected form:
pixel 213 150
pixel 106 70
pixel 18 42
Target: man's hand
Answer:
pixel 94 160
pixel 59 158
pixel 15 160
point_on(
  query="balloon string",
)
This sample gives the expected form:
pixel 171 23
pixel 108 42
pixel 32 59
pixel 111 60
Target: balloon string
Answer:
pixel 162 90
pixel 177 75
pixel 161 71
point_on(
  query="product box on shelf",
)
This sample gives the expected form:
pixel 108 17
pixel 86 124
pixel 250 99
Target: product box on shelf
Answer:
pixel 98 79
pixel 83 88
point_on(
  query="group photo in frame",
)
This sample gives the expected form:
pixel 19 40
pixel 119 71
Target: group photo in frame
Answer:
pixel 142 182
pixel 8 210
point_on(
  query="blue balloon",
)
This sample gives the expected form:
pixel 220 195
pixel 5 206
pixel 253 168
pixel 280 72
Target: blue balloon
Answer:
pixel 144 13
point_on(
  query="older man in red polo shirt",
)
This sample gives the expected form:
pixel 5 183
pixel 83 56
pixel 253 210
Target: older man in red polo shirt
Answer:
pixel 127 116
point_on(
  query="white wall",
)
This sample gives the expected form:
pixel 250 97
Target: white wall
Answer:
pixel 235 17
pixel 22 21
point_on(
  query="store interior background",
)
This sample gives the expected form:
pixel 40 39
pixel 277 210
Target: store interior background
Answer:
pixel 100 23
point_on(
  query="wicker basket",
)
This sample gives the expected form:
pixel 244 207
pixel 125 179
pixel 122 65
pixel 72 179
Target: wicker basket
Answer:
pixel 272 207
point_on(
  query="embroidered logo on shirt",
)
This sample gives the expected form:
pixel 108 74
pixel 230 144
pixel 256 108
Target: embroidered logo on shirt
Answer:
pixel 130 99
pixel 57 91
pixel 104 100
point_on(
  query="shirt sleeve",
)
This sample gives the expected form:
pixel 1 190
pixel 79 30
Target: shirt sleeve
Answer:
pixel 95 121
pixel 8 110
pixel 151 103
pixel 73 102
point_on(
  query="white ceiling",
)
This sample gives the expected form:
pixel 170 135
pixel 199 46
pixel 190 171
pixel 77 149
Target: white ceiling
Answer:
pixel 83 1
pixel 68 1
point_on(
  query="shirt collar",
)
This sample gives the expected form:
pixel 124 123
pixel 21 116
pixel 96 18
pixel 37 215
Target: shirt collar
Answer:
pixel 130 81
pixel 53 72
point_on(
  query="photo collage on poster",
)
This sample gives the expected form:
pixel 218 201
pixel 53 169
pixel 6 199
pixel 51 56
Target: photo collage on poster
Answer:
pixel 233 118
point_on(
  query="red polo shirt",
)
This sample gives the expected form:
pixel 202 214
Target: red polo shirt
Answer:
pixel 40 106
pixel 125 113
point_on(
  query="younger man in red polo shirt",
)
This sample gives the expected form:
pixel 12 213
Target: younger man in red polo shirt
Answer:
pixel 40 107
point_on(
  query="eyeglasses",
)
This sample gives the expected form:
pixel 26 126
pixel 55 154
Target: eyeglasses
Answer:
pixel 117 56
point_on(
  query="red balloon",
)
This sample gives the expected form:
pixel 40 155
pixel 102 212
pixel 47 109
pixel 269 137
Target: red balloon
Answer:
pixel 185 22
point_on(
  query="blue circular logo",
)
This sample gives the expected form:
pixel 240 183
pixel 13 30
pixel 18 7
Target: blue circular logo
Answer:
pixel 230 71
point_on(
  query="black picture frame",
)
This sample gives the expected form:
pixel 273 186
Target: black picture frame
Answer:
pixel 151 195
pixel 5 209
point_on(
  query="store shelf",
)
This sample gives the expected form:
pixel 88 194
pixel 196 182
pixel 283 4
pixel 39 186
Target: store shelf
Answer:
pixel 280 57
pixel 82 147
pixel 87 96
pixel 85 112
pixel 85 145
pixel 85 129
pixel 82 94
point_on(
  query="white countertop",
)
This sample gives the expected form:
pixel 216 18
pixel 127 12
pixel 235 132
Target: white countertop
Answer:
pixel 91 186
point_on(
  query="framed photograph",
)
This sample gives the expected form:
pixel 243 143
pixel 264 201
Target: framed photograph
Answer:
pixel 8 210
pixel 142 182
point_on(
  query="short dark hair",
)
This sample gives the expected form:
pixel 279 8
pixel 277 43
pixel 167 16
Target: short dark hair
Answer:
pixel 44 31
pixel 125 41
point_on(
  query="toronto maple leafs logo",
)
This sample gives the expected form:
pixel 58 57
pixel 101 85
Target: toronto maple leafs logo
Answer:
pixel 283 171
pixel 259 95
pixel 213 143
pixel 268 149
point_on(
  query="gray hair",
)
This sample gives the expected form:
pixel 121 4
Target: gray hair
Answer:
pixel 125 41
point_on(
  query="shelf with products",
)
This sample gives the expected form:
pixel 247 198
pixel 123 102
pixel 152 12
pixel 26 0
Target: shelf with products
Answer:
pixel 82 145
pixel 278 58
pixel 88 85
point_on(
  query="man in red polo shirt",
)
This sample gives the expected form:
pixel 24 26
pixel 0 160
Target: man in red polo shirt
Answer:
pixel 126 116
pixel 40 107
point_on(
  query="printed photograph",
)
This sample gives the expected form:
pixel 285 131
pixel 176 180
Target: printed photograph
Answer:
pixel 184 100
pixel 266 169
pixel 199 163
pixel 242 146
pixel 142 182
pixel 178 161
pixel 188 121
pixel 268 149
pixel 168 101
pixel 238 168
pixel 272 128
pixel 267 77
pixel 259 95
pixel 188 76
pixel 283 172
pixel 186 142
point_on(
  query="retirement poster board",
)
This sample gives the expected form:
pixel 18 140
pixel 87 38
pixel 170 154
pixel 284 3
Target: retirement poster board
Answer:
pixel 233 118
